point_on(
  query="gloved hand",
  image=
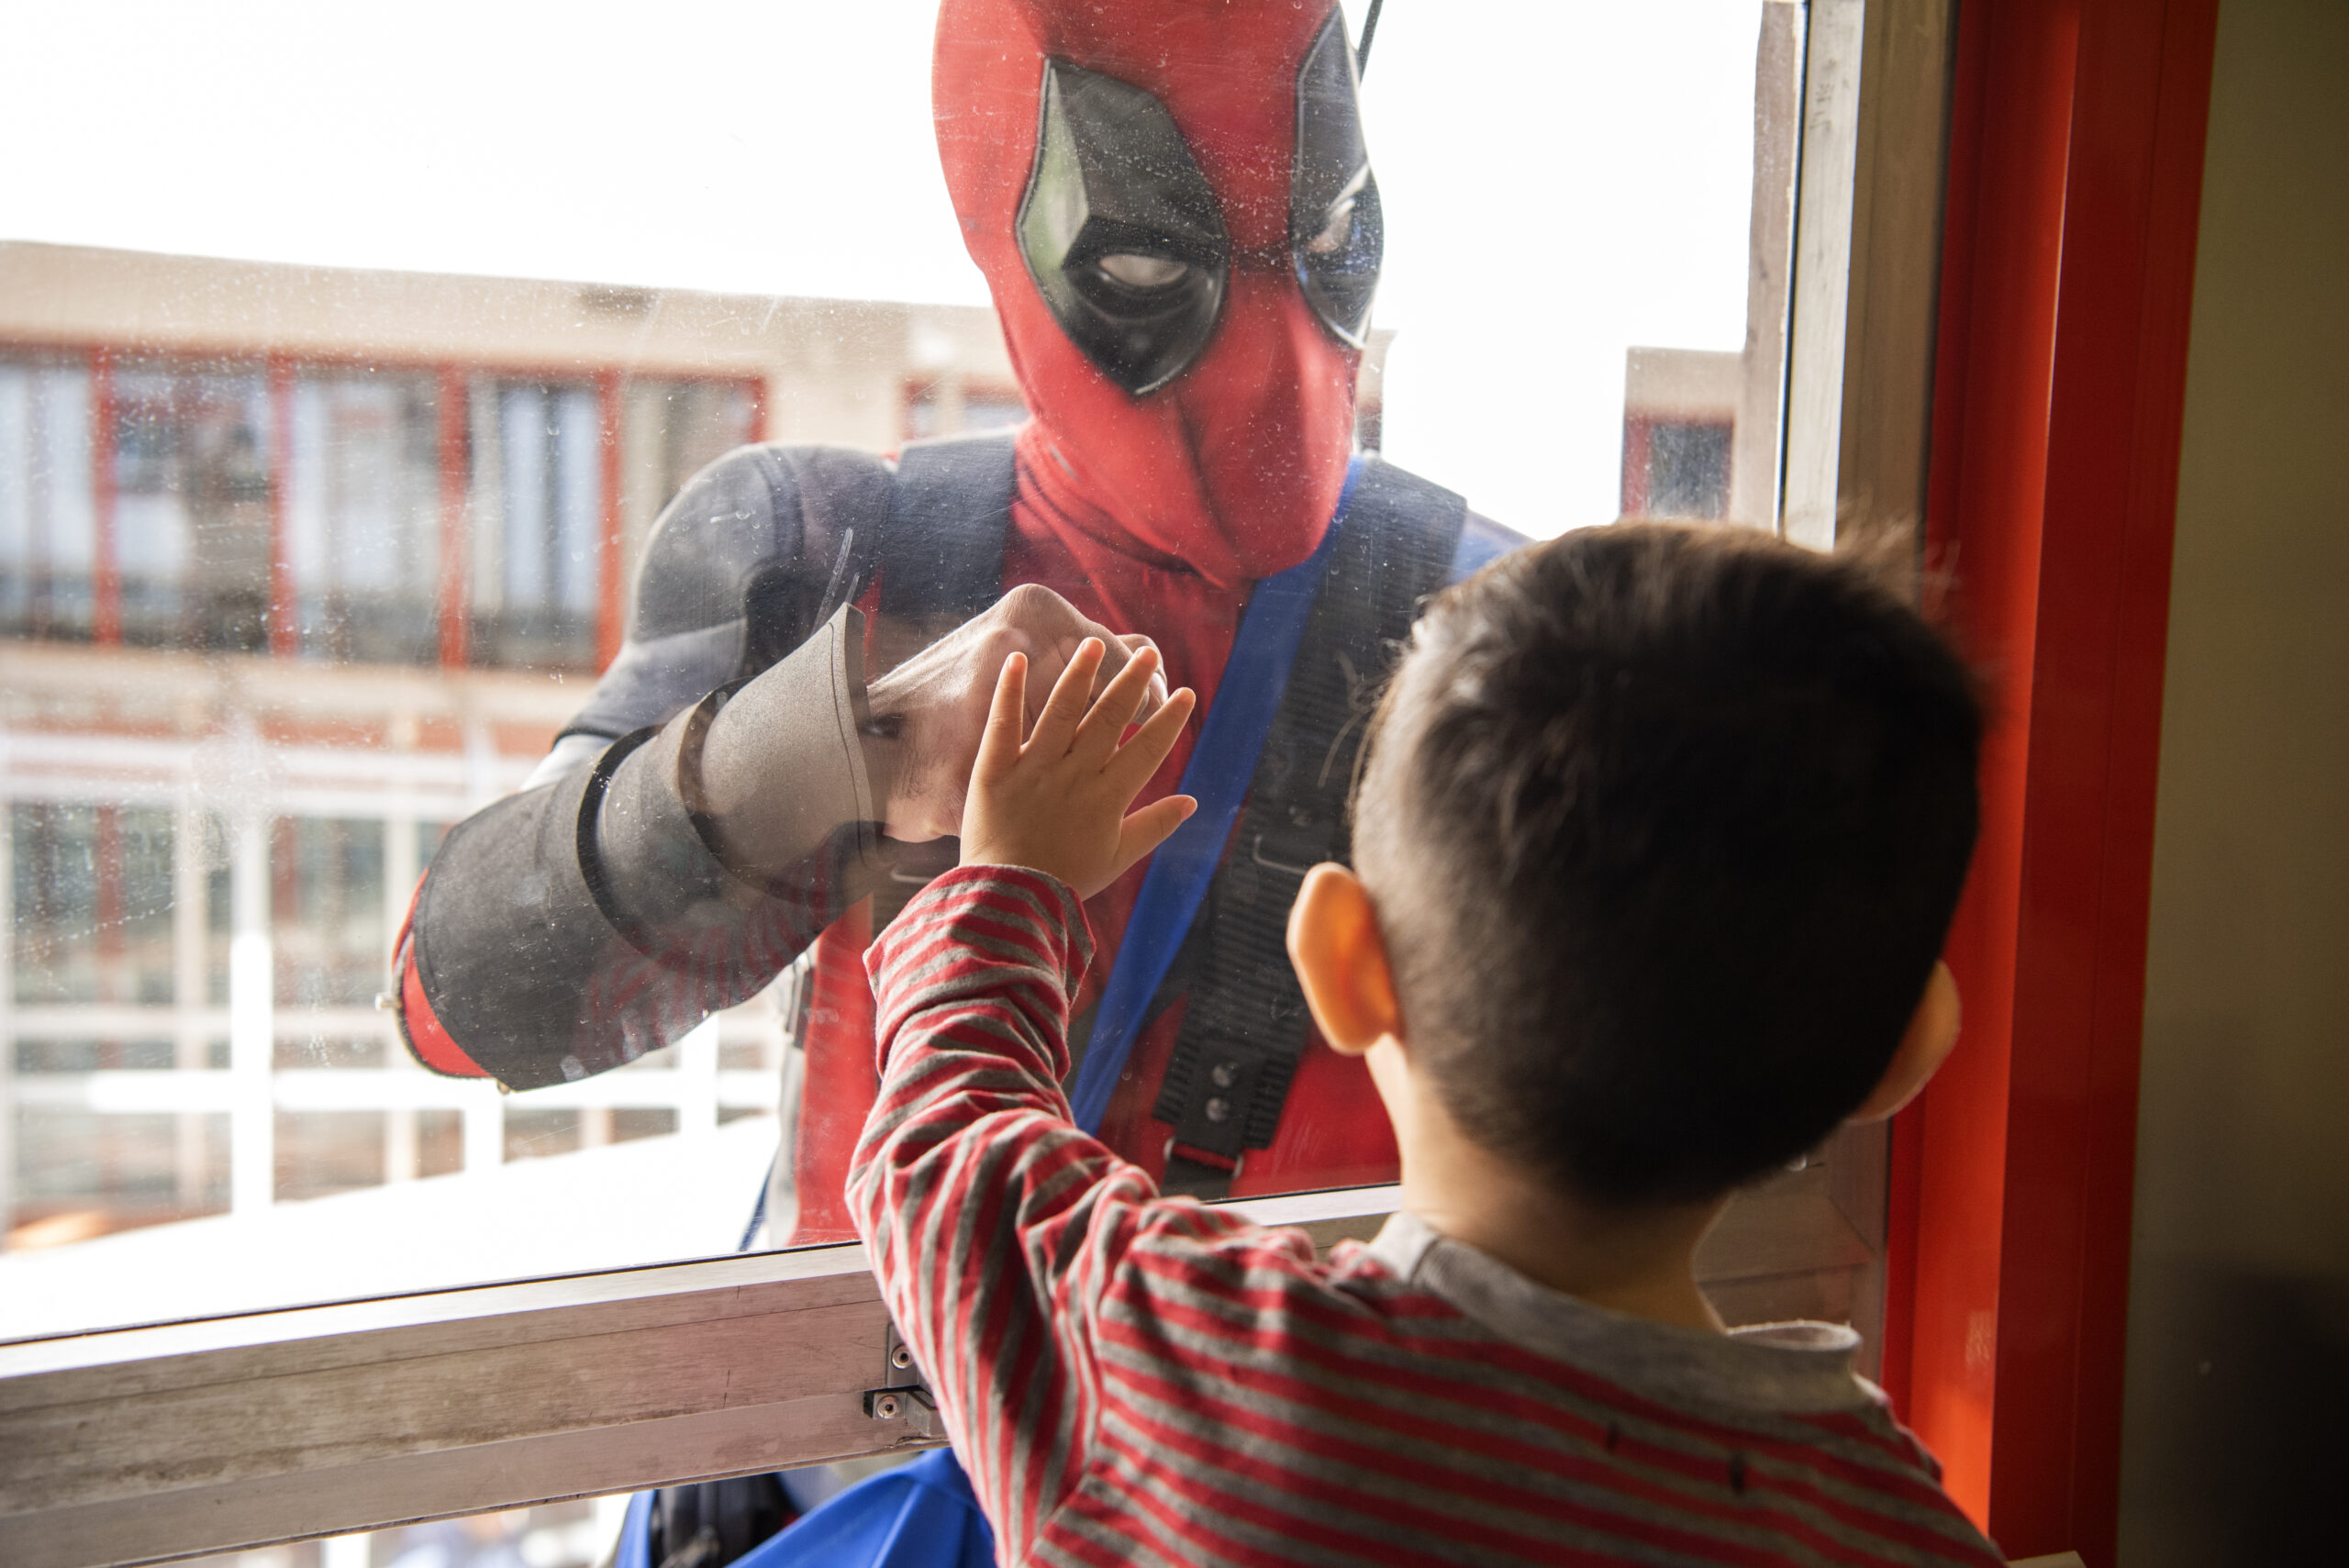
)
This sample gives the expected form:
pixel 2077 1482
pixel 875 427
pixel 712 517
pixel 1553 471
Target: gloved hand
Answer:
pixel 929 713
pixel 772 776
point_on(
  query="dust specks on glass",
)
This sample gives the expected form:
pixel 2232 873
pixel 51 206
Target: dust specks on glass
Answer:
pixel 309 558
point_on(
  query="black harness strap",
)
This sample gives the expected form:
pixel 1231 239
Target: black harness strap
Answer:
pixel 1245 1027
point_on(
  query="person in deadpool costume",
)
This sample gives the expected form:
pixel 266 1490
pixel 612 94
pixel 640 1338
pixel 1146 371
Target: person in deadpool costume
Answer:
pixel 1175 211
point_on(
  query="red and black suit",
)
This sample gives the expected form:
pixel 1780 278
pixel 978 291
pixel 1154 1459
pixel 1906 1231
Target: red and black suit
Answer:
pixel 1173 207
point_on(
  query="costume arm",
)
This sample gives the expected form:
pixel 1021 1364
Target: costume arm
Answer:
pixel 586 920
pixel 1001 1234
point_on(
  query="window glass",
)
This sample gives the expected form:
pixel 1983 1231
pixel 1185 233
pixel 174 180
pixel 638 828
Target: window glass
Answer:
pixel 327 938
pixel 577 1534
pixel 93 903
pixel 362 514
pixel 536 513
pixel 187 499
pixel 321 514
pixel 47 522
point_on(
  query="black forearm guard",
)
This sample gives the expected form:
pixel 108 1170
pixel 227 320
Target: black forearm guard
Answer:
pixel 575 926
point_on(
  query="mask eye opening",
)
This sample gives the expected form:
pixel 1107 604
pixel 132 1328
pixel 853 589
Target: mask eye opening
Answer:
pixel 1142 271
pixel 1122 234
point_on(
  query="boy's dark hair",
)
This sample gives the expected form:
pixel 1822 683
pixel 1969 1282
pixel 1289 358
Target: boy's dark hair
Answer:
pixel 1666 826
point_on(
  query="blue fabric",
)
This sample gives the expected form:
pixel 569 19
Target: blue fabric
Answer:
pixel 920 1514
pixel 635 1549
pixel 1223 765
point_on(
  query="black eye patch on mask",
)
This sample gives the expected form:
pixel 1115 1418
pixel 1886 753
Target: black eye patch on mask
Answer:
pixel 1125 238
pixel 1120 230
pixel 1336 233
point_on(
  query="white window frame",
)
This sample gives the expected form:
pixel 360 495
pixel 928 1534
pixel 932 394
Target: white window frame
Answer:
pixel 143 1444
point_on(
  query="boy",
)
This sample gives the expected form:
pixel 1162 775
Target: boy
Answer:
pixel 1658 838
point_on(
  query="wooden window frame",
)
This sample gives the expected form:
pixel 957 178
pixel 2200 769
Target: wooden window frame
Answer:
pixel 139 1445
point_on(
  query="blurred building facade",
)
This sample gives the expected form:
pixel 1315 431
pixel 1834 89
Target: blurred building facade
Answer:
pixel 297 567
pixel 1704 432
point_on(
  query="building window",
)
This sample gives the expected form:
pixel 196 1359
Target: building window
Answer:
pixel 47 523
pixel 537 524
pixel 670 431
pixel 952 406
pixel 327 912
pixel 190 510
pixel 362 516
pixel 1676 469
pixel 93 904
pixel 1688 471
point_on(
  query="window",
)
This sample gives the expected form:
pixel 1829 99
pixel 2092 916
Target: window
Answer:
pixel 673 429
pixel 93 904
pixel 48 530
pixel 948 406
pixel 363 515
pixel 537 518
pixel 305 569
pixel 190 515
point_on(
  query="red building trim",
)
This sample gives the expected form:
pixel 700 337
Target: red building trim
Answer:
pixel 450 400
pixel 106 562
pixel 2074 195
pixel 284 615
pixel 760 430
pixel 1639 436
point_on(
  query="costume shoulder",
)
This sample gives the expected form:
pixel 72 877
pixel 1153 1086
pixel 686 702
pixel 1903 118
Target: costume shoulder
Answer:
pixel 742 567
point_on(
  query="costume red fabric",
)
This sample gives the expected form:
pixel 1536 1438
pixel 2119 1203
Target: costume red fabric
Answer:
pixel 1151 514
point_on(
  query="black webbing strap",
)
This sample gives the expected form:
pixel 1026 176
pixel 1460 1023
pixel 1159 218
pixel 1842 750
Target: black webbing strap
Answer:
pixel 1245 1025
pixel 948 512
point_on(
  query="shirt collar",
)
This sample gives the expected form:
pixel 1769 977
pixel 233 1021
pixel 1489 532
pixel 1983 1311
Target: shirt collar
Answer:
pixel 1782 1368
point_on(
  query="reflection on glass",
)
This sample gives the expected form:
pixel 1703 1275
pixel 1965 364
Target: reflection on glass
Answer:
pixel 578 1534
pixel 92 902
pixel 536 519
pixel 190 496
pixel 942 406
pixel 278 608
pixel 47 533
pixel 363 516
pixel 328 937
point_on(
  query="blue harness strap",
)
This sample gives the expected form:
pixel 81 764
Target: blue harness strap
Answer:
pixel 1222 762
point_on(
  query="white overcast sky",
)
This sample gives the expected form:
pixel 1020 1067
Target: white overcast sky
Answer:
pixel 1563 178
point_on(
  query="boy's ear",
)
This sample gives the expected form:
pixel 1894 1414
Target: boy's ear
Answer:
pixel 1340 960
pixel 1932 1030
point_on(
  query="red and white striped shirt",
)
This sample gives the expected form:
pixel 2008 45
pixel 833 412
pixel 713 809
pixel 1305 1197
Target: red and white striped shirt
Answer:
pixel 1132 1379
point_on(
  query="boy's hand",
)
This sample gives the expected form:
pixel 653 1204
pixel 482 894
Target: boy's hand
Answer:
pixel 1057 804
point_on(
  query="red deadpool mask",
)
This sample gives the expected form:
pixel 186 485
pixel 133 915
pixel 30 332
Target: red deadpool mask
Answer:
pixel 1172 203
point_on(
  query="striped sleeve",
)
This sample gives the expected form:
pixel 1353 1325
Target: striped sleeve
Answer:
pixel 995 1226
